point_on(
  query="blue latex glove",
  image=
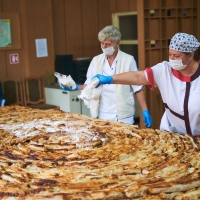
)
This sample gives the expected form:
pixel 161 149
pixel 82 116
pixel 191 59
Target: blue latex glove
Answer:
pixel 103 79
pixel 2 98
pixel 65 88
pixel 147 118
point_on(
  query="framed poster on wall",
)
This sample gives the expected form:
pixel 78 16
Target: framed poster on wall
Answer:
pixel 9 31
pixel 5 33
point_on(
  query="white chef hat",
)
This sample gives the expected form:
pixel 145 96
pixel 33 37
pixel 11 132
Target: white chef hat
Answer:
pixel 184 42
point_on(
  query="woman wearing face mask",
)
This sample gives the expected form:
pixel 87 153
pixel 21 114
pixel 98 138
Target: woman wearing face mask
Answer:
pixel 178 81
pixel 116 101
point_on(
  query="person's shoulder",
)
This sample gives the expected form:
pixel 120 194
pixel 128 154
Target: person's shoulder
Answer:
pixel 98 56
pixel 123 54
pixel 165 64
pixel 162 66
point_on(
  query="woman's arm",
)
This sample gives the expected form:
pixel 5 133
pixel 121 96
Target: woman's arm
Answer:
pixel 141 99
pixel 145 113
pixel 130 78
pixel 126 78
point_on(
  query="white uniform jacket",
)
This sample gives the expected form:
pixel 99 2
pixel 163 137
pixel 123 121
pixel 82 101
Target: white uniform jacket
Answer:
pixel 181 98
pixel 116 101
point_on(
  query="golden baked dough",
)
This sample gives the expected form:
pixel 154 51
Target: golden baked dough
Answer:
pixel 50 154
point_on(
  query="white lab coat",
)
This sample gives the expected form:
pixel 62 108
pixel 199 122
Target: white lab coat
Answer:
pixel 107 105
pixel 181 96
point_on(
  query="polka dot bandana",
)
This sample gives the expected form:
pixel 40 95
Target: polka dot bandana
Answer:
pixel 184 42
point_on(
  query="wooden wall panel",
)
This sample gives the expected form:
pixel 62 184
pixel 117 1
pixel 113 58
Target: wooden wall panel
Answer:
pixel 2 65
pixel 187 26
pixel 151 4
pixel 154 4
pixel 90 28
pixel 113 6
pixel 194 29
pixel 141 35
pixel 172 23
pixel 59 30
pixel 104 15
pixel 24 53
pixel 2 55
pixel 74 29
pixel 186 3
pixel 198 21
pixel 39 25
pixel 10 5
pixel 1 6
pixel 146 25
pixel 83 19
pixel 12 70
pixel 132 5
pixel 157 108
pixel 155 25
pixel 155 56
pixel 141 48
pixel 122 5
pixel 170 4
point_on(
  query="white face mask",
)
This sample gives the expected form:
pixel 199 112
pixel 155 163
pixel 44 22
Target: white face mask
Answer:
pixel 108 51
pixel 178 64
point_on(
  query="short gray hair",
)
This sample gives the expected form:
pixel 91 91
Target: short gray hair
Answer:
pixel 110 32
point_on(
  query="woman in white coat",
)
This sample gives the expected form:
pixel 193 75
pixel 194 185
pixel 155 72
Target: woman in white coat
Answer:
pixel 178 81
pixel 116 102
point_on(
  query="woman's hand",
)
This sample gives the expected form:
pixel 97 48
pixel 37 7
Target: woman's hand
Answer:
pixel 147 118
pixel 103 79
pixel 65 88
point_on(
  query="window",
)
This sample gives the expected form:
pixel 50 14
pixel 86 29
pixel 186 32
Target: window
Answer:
pixel 127 24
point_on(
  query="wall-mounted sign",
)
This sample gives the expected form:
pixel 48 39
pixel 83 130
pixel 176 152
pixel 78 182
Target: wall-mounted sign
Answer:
pixel 5 33
pixel 41 47
pixel 14 58
pixel 10 31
